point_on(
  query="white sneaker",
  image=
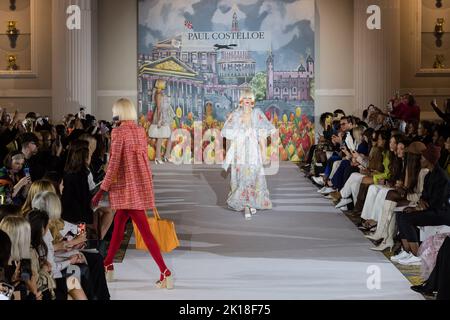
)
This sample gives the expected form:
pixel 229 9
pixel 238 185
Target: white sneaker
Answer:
pixel 327 190
pixel 321 190
pixel 343 203
pixel 402 255
pixel 319 181
pixel 412 260
pixel 345 208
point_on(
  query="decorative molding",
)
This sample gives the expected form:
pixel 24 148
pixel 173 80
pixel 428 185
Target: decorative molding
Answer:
pixel 432 72
pixel 117 93
pixel 33 73
pixel 335 92
pixel 427 92
pixel 25 93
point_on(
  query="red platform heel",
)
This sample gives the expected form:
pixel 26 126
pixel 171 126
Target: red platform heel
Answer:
pixel 166 280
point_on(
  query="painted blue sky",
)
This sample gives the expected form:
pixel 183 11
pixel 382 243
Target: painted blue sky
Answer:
pixel 291 23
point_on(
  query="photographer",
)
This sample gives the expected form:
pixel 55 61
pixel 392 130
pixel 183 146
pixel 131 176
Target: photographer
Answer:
pixel 13 180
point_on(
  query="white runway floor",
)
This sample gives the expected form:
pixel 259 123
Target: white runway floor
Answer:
pixel 302 249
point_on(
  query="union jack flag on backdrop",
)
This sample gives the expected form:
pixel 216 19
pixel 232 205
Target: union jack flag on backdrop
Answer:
pixel 188 25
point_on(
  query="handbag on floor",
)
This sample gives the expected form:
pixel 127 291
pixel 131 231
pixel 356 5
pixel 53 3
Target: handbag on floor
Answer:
pixel 163 231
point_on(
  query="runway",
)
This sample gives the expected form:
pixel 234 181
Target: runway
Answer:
pixel 302 249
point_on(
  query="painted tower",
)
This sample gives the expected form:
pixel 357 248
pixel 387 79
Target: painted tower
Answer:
pixel 310 63
pixel 235 26
pixel 269 64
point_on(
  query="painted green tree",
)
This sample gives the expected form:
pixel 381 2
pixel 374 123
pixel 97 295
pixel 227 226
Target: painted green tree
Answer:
pixel 259 85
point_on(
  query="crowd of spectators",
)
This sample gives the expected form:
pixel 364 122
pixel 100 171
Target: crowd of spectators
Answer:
pixel 390 170
pixel 52 240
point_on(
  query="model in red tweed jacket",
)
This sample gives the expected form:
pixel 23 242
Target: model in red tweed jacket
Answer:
pixel 129 178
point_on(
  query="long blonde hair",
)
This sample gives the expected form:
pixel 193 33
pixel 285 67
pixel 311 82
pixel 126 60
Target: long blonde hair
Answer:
pixel 19 232
pixel 49 202
pixel 37 187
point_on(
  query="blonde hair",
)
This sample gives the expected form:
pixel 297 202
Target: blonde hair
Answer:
pixel 248 94
pixel 49 202
pixel 19 232
pixel 125 110
pixel 358 134
pixel 37 187
pixel 160 84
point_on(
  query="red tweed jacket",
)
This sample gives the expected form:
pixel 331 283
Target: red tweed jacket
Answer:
pixel 129 178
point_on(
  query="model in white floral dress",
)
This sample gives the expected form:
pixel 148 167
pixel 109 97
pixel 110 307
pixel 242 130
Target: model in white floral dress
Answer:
pixel 246 128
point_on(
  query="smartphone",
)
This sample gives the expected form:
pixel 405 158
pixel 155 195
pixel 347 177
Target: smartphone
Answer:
pixel 26 171
pixel 81 228
pixel 25 269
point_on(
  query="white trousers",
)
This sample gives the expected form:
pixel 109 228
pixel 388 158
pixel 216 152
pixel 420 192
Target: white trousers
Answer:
pixel 351 187
pixel 336 165
pixel 373 205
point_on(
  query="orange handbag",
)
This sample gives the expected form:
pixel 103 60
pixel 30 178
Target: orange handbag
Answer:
pixel 163 231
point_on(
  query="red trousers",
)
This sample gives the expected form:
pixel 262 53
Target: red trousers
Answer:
pixel 140 219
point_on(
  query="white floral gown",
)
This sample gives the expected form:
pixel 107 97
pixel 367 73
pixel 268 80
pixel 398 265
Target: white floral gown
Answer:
pixel 248 183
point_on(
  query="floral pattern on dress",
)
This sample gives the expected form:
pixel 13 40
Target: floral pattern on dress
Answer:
pixel 248 187
pixel 428 252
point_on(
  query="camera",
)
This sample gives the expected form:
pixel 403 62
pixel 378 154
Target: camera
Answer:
pixel 25 269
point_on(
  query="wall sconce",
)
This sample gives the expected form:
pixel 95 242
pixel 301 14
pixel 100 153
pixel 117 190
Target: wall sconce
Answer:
pixel 439 31
pixel 438 3
pixel 12 65
pixel 12 6
pixel 13 33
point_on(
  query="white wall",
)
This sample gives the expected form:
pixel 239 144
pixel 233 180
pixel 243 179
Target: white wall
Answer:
pixel 334 56
pixel 117 53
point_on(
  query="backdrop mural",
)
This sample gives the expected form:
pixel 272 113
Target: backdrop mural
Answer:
pixel 208 51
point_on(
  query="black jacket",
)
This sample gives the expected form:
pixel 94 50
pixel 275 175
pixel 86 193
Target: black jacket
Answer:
pixel 436 191
pixel 42 163
pixel 76 198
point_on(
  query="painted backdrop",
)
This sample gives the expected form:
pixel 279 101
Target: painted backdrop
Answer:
pixel 209 51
